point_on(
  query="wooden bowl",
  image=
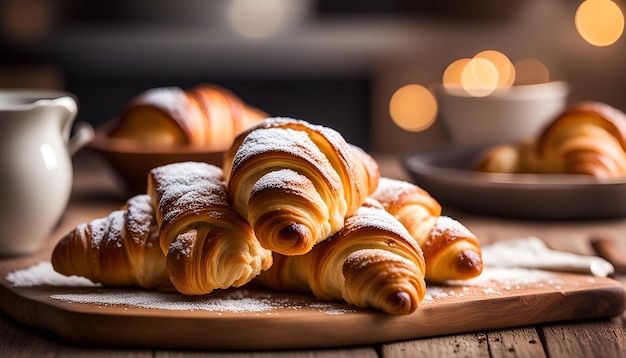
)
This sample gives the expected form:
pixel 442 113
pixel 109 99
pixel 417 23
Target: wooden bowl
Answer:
pixel 133 160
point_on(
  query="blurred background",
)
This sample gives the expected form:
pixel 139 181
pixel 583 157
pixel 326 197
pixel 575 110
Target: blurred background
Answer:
pixel 333 62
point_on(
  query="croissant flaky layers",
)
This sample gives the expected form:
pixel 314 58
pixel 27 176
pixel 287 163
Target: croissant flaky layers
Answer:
pixel 208 244
pixel 296 182
pixel 121 249
pixel 371 262
pixel 450 250
pixel 182 232
pixel 295 208
pixel 588 138
pixel 206 115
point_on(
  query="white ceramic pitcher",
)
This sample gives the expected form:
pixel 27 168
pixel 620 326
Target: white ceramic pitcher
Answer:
pixel 36 165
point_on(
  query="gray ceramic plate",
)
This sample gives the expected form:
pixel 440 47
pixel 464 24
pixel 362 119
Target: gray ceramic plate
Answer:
pixel 447 174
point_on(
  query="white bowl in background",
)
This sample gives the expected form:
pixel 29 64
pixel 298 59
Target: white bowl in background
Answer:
pixel 507 115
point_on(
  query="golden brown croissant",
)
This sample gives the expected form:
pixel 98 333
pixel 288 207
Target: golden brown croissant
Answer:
pixel 588 138
pixel 295 182
pixel 371 262
pixel 206 115
pixel 520 157
pixel 121 249
pixel 208 244
pixel 450 250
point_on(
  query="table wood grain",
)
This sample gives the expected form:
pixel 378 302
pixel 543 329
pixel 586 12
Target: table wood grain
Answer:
pixel 96 189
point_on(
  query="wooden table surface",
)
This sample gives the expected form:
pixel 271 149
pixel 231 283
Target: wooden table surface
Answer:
pixel 98 191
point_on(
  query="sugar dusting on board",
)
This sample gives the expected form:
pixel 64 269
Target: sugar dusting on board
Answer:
pixel 41 274
pixel 169 301
pixel 494 281
pixel 237 301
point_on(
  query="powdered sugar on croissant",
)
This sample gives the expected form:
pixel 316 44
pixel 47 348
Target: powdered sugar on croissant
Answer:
pixel 371 262
pixel 328 180
pixel 382 279
pixel 121 249
pixel 450 250
pixel 208 244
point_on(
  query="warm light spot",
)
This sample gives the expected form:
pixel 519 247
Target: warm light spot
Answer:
pixel 599 22
pixel 452 74
pixel 413 108
pixel 506 71
pixel 530 71
pixel 479 77
pixel 258 18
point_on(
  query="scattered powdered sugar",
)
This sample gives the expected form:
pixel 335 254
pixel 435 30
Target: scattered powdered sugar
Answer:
pixel 139 218
pixel 42 273
pixel 372 214
pixel 170 301
pixel 182 245
pixel 492 282
pixel 288 180
pixel 235 301
pixel 188 187
pixel 114 235
pixel 447 226
pixel 362 258
pixel 292 144
pixel 331 309
pixel 99 227
pixel 496 281
pixel 390 190
pixel 240 301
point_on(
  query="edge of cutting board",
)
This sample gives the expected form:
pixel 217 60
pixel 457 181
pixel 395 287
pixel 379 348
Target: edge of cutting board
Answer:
pixel 568 297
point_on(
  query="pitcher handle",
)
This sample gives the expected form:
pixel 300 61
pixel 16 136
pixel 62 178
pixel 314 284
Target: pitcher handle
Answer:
pixel 83 134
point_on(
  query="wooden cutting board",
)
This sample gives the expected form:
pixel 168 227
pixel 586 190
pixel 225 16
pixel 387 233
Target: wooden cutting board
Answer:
pixel 247 318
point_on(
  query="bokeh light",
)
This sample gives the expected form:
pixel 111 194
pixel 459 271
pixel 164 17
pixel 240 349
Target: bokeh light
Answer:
pixel 258 18
pixel 599 22
pixel 479 77
pixel 506 71
pixel 413 108
pixel 452 74
pixel 492 70
pixel 529 71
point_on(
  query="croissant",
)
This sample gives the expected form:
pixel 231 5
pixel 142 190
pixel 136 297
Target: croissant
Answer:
pixel 371 262
pixel 519 157
pixel 295 182
pixel 588 138
pixel 208 245
pixel 207 115
pixel 451 251
pixel 121 249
